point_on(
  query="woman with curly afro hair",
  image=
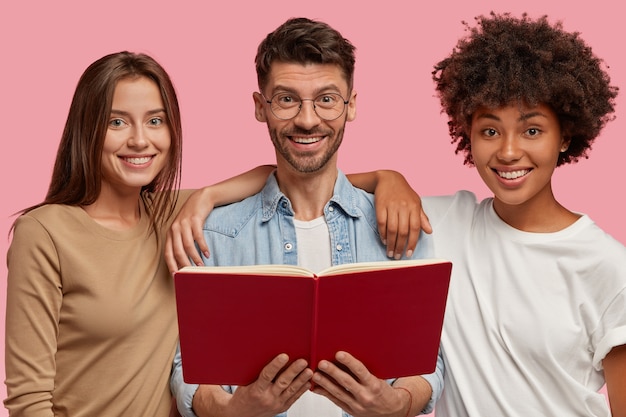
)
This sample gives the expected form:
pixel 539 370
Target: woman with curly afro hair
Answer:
pixel 536 316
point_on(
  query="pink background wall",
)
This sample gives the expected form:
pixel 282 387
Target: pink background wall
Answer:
pixel 209 51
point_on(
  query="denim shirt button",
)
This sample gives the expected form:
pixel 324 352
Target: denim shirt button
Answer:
pixel 339 247
pixel 288 246
pixel 331 208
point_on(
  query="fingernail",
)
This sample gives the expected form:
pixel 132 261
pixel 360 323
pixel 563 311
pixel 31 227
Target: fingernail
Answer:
pixel 409 253
pixel 390 254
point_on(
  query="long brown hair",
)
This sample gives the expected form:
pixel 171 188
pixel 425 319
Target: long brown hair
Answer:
pixel 77 174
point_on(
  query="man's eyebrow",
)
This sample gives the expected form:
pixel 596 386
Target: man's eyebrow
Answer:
pixel 325 89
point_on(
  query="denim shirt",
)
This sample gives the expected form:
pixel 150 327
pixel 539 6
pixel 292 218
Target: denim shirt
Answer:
pixel 266 219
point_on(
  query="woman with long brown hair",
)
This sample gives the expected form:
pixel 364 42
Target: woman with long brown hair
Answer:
pixel 91 323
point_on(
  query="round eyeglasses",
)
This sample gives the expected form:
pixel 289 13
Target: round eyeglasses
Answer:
pixel 327 106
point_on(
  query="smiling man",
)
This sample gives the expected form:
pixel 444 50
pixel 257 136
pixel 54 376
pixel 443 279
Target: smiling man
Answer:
pixel 307 214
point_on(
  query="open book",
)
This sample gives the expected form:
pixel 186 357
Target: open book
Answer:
pixel 234 320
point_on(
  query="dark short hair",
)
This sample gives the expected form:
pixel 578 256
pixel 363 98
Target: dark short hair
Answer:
pixel 305 41
pixel 506 59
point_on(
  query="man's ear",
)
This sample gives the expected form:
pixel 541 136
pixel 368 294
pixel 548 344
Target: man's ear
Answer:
pixel 259 107
pixel 351 107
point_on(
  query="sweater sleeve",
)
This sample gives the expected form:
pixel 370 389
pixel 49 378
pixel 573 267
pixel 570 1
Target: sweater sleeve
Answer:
pixel 34 296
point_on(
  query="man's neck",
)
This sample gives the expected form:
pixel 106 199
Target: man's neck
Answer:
pixel 308 192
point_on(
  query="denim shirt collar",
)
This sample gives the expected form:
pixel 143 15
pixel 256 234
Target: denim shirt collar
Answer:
pixel 343 197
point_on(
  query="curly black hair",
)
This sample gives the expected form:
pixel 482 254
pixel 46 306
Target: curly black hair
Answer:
pixel 506 59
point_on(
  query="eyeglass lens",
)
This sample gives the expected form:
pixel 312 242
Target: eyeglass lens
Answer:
pixel 327 106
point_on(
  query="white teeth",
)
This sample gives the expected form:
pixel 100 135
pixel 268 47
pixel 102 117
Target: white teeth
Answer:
pixel 138 161
pixel 306 140
pixel 511 175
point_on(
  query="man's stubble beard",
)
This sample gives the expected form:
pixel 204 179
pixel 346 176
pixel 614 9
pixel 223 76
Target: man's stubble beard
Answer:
pixel 304 164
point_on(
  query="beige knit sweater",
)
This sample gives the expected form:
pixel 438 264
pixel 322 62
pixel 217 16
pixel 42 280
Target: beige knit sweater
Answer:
pixel 91 324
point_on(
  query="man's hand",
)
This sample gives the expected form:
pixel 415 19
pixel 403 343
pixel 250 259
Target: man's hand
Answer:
pixel 359 392
pixel 272 393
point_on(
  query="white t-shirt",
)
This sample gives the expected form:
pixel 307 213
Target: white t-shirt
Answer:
pixel 313 240
pixel 530 316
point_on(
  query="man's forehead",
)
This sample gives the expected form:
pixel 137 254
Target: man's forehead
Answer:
pixel 306 78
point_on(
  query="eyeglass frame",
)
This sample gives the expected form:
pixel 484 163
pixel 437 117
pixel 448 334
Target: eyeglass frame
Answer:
pixel 302 100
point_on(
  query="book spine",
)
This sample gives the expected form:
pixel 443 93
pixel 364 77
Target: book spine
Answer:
pixel 314 324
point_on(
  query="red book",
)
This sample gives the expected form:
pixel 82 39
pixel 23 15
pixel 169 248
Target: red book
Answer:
pixel 234 320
